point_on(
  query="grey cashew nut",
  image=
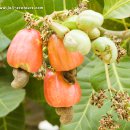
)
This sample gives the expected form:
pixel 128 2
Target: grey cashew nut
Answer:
pixel 21 78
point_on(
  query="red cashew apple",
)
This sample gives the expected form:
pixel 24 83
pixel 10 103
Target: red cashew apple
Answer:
pixel 25 50
pixel 58 92
pixel 60 58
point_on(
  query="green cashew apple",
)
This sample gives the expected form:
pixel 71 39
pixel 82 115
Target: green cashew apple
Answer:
pixel 59 29
pixel 89 19
pixel 94 33
pixel 77 41
pixel 105 49
pixel 70 22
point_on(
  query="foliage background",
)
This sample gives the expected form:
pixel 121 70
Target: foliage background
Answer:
pixel 17 107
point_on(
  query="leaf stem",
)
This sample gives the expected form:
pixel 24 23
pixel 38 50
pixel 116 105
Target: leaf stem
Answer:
pixel 125 43
pixel 64 4
pixel 108 78
pixel 120 21
pixel 82 117
pixel 124 23
pixel 4 123
pixel 122 34
pixel 117 77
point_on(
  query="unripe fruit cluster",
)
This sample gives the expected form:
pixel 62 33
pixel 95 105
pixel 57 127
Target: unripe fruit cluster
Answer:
pixel 82 29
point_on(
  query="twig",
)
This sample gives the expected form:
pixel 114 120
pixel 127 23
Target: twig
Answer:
pixel 122 34
pixel 108 79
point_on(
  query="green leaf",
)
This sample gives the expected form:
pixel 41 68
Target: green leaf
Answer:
pixel 3 56
pixel 125 125
pixel 14 121
pixel 96 5
pixel 119 75
pixel 11 21
pixel 4 41
pixel 113 24
pixel 9 98
pixel 6 74
pixel 34 90
pixel 116 9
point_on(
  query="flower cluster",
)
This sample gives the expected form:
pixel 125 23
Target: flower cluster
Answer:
pixel 107 122
pixel 97 99
pixel 121 104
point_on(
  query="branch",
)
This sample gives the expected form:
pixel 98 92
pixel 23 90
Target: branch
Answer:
pixel 122 34
pixel 108 79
